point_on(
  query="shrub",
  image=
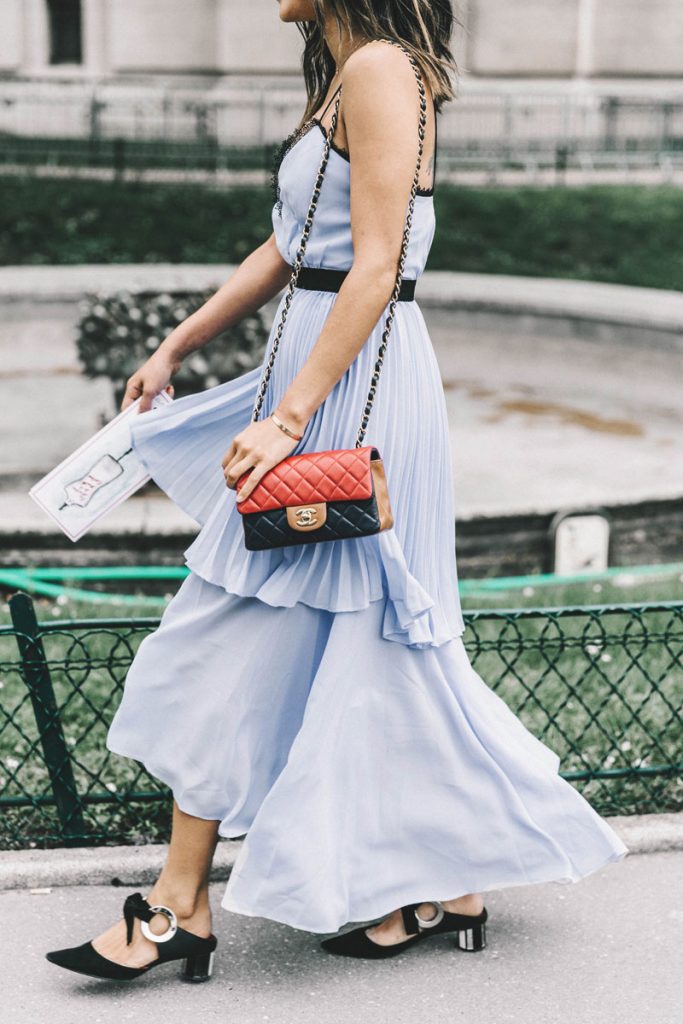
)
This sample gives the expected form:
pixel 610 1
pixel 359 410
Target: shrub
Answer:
pixel 118 332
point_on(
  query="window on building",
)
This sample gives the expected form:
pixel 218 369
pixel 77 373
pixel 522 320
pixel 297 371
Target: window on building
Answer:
pixel 66 35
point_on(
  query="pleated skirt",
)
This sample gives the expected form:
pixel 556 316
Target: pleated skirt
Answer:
pixel 182 445
pixel 318 699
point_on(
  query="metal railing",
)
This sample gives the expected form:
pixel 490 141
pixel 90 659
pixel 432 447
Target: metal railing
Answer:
pixel 129 130
pixel 602 686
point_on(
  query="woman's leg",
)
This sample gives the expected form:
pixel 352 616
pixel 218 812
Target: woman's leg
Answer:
pixel 391 930
pixel 182 885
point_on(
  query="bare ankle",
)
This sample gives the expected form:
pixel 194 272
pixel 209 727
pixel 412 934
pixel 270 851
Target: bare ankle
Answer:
pixel 471 903
pixel 186 902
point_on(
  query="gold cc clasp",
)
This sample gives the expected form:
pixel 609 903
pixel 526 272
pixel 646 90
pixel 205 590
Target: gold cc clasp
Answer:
pixel 307 517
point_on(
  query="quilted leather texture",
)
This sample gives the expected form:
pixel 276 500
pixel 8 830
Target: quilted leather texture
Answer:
pixel 344 519
pixel 340 474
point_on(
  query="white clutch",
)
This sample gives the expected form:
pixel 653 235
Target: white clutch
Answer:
pixel 97 477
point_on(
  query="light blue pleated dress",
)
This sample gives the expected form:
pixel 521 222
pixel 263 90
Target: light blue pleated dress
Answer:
pixel 318 698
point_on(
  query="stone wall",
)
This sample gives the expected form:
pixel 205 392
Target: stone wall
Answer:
pixel 527 38
pixel 647 37
pixel 574 37
pixel 534 37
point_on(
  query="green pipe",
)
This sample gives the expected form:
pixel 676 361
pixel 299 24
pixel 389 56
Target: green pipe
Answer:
pixel 178 572
pixel 553 579
pixel 25 581
pixel 107 572
pixel 38 580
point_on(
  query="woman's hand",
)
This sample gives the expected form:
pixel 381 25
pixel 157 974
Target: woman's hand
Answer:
pixel 150 379
pixel 262 445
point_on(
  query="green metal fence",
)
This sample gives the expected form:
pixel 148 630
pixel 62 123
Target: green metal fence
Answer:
pixel 600 685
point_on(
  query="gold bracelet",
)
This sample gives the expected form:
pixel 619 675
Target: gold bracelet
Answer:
pixel 280 424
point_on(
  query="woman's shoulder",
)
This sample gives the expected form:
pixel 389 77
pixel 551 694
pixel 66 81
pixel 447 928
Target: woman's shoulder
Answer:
pixel 379 92
pixel 378 64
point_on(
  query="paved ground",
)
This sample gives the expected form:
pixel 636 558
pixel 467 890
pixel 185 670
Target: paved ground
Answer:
pixel 604 950
pixel 538 422
pixel 541 422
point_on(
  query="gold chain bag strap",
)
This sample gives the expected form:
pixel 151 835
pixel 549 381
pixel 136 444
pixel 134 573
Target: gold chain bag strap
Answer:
pixel 340 493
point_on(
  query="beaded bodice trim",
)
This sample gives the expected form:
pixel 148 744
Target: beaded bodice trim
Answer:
pixel 284 148
pixel 291 140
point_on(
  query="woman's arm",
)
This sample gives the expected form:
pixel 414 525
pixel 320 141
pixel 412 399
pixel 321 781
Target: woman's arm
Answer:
pixel 381 102
pixel 257 279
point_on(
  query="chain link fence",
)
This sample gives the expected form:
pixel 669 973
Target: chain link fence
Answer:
pixel 601 685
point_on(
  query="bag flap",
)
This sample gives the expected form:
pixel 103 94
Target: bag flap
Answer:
pixel 340 474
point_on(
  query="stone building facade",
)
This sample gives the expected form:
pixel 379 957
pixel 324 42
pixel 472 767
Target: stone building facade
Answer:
pixel 210 39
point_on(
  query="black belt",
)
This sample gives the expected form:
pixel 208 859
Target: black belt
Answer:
pixel 325 279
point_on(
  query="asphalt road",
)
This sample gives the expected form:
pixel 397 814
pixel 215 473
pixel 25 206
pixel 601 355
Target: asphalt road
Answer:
pixel 606 949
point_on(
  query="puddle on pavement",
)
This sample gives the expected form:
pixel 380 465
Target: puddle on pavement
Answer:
pixel 536 407
pixel 566 414
pixel 474 390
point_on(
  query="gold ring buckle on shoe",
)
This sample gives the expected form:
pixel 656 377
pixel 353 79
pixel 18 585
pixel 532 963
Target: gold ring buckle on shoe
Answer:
pixel 432 920
pixel 170 931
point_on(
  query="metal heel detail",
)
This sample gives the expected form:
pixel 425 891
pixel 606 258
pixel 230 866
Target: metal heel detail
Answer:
pixel 471 939
pixel 198 967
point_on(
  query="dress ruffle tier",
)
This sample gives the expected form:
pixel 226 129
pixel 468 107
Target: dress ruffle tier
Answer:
pixel 365 775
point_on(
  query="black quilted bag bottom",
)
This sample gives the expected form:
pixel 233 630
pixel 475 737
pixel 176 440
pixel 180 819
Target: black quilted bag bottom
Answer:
pixel 344 519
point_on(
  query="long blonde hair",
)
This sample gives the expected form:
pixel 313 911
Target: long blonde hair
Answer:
pixel 423 27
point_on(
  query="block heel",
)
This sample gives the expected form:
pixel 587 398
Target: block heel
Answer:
pixel 198 966
pixel 471 939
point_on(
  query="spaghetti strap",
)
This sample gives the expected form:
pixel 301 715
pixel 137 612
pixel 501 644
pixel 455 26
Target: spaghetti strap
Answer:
pixel 436 126
pixel 322 114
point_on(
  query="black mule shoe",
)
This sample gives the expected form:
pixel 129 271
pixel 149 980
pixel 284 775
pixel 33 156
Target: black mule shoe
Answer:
pixel 174 944
pixel 470 933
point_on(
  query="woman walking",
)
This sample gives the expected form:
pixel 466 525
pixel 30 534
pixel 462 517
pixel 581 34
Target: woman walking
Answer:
pixel 317 697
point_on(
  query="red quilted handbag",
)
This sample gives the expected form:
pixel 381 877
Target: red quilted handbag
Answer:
pixel 329 495
pixel 318 496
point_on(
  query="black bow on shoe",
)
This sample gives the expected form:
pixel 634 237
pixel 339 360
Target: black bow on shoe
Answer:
pixel 135 906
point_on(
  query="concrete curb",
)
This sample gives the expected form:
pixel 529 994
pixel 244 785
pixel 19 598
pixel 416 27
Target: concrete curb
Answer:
pixel 620 307
pixel 140 865
pixel 617 307
pixel 99 865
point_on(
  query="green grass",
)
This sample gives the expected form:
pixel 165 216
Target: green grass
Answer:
pixel 67 222
pixel 620 589
pixel 621 234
